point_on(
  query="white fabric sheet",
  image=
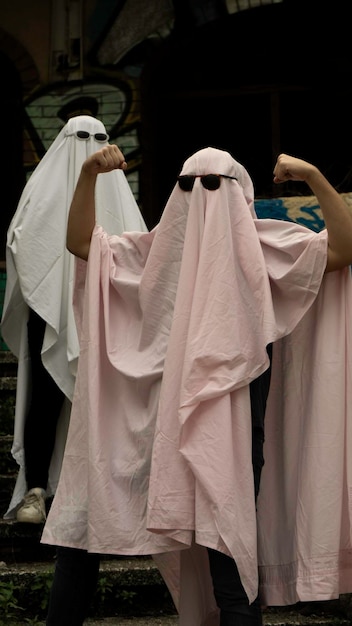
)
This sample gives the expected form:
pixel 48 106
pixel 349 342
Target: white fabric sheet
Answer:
pixel 40 273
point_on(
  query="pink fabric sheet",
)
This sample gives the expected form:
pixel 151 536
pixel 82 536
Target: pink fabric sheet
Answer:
pixel 174 326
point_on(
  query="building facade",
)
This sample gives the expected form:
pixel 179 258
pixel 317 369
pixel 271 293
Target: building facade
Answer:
pixel 255 77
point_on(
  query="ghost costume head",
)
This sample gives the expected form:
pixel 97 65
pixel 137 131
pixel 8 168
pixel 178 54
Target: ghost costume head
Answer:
pixel 215 161
pixel 189 216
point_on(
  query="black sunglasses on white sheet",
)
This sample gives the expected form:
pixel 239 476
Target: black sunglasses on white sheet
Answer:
pixel 84 134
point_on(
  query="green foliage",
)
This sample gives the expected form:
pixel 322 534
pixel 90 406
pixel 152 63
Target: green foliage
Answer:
pixel 9 606
pixel 126 597
pixel 11 593
pixel 104 588
pixel 40 588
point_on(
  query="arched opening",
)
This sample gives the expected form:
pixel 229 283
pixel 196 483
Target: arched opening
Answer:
pixel 19 77
pixel 11 156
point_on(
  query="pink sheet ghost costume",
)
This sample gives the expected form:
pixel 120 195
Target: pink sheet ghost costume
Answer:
pixel 39 288
pixel 174 327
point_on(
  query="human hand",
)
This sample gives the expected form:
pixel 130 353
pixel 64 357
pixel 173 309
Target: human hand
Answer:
pixel 290 168
pixel 105 160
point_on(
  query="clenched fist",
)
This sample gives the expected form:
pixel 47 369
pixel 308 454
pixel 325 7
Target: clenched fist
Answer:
pixel 290 168
pixel 105 160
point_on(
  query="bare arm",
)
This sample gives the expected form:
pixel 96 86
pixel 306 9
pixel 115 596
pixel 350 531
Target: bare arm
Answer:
pixel 81 219
pixel 337 215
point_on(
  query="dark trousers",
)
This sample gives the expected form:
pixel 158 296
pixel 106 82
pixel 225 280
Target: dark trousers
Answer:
pixel 44 410
pixel 75 581
pixel 229 593
pixel 76 571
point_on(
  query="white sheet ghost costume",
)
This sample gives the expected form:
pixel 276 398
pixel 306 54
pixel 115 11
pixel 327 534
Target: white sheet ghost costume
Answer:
pixel 40 273
pixel 175 325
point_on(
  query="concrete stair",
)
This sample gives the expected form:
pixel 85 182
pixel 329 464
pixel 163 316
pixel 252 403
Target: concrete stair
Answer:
pixel 130 592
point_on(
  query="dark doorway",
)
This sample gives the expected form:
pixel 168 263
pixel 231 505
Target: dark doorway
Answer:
pixel 11 161
pixel 255 83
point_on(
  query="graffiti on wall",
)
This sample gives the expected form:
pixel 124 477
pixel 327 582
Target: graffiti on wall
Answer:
pixel 115 103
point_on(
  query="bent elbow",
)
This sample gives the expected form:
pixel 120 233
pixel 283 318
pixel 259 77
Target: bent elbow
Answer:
pixel 337 261
pixel 80 251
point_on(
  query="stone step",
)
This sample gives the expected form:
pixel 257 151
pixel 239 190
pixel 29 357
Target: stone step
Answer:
pixel 8 363
pixel 270 618
pixel 132 590
pixel 117 621
pixel 7 411
pixel 7 462
pixel 145 621
pixel 129 587
pixel 8 383
pixel 279 619
pixel 8 470
pixel 8 466
pixel 20 543
pixel 7 483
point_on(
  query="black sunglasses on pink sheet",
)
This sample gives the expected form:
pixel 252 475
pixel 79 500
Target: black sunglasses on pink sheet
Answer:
pixel 209 181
